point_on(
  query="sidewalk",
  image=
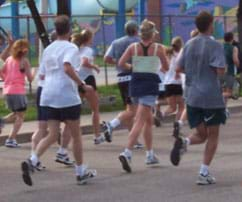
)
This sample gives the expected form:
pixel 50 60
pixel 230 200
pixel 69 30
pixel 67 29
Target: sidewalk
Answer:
pixel 234 106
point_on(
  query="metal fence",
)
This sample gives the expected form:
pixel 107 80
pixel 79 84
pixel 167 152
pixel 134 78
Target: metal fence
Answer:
pixel 104 28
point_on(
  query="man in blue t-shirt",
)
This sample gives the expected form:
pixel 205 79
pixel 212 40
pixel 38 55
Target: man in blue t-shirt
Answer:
pixel 202 61
pixel 113 54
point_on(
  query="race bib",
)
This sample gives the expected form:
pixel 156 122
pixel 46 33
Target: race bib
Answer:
pixel 146 64
pixel 161 87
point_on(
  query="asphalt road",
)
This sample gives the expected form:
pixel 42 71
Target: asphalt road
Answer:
pixel 162 183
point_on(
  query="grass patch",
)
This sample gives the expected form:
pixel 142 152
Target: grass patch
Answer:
pixel 103 91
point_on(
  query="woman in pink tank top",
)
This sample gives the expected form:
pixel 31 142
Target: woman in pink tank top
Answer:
pixel 13 73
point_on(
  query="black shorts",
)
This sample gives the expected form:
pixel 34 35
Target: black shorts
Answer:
pixel 91 81
pixel 63 114
pixel 124 91
pixel 209 117
pixel 41 112
pixel 161 95
pixel 173 90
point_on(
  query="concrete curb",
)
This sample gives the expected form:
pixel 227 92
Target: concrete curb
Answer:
pixel 88 129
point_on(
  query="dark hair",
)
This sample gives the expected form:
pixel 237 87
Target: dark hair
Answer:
pixel 228 37
pixel 203 21
pixel 62 25
pixel 131 28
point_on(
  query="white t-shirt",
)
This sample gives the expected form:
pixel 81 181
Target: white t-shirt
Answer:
pixel 59 89
pixel 86 52
pixel 41 72
pixel 171 73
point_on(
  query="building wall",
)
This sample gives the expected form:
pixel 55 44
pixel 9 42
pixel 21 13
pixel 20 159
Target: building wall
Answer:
pixel 179 16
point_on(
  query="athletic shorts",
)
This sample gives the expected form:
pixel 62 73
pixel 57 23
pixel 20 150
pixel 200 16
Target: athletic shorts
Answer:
pixel 173 90
pixel 227 81
pixel 161 95
pixel 63 114
pixel 91 81
pixel 124 92
pixel 210 117
pixel 16 103
pixel 41 112
pixel 148 100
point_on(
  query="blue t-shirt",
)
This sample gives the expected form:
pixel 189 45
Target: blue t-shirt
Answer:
pixel 118 47
pixel 200 58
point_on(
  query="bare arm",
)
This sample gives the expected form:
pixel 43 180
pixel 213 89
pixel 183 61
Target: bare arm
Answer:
pixel 27 67
pixel 86 63
pixel 72 74
pixel 163 58
pixel 236 56
pixel 109 60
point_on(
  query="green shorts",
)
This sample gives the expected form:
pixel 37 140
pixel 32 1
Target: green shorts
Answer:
pixel 209 117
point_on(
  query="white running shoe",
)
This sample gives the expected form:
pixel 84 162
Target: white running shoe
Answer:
pixel 88 174
pixel 107 130
pixel 205 180
pixel 125 161
pixel 151 159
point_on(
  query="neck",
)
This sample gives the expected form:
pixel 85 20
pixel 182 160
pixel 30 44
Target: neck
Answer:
pixel 63 37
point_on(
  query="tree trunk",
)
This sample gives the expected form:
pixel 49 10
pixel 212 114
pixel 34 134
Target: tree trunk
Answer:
pixel 43 35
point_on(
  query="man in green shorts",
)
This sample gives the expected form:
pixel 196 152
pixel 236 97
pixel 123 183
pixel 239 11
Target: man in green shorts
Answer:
pixel 202 60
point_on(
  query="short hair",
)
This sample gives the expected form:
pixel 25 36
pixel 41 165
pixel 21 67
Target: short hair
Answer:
pixel 203 20
pixel 19 48
pixel 131 28
pixel 62 25
pixel 147 29
pixel 228 37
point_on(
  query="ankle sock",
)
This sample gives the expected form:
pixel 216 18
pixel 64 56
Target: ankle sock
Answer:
pixel 115 123
pixel 204 170
pixel 34 159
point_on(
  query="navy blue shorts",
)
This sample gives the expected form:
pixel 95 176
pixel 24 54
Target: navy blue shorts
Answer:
pixel 63 114
pixel 41 113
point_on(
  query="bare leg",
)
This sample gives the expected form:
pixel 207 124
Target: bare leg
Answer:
pixel 40 133
pixel 74 127
pixel 51 138
pixel 17 124
pixel 212 143
pixel 171 105
pixel 180 103
pixel 147 133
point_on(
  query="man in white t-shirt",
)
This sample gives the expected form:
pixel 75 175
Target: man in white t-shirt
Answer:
pixel 61 100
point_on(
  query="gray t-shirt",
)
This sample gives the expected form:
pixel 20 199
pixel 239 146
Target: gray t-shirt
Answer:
pixel 118 47
pixel 200 58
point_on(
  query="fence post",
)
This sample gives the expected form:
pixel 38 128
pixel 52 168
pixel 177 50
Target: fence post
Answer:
pixel 104 49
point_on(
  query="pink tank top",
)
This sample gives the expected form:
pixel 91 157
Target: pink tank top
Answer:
pixel 14 80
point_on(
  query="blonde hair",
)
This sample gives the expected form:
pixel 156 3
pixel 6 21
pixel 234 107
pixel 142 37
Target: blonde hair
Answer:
pixel 19 48
pixel 81 38
pixel 147 29
pixel 176 46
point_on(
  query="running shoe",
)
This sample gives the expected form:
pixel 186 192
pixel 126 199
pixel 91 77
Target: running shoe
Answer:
pixel 39 167
pixel 99 140
pixel 11 143
pixel 205 180
pixel 178 150
pixel 81 180
pixel 138 146
pixel 125 161
pixel 107 130
pixel 27 170
pixel 64 159
pixel 151 159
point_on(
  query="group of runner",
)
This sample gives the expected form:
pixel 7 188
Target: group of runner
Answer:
pixel 67 66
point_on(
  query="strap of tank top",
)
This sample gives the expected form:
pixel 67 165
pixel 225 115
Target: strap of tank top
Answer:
pixel 145 48
pixel 136 49
pixel 156 49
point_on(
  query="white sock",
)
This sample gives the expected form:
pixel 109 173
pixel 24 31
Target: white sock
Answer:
pixel 115 123
pixel 203 170
pixel 149 153
pixel 128 152
pixel 181 123
pixel 80 170
pixel 62 150
pixel 188 141
pixel 34 159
